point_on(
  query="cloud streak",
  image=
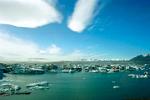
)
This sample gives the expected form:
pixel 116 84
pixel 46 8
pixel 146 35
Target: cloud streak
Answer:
pixel 82 15
pixel 16 49
pixel 28 13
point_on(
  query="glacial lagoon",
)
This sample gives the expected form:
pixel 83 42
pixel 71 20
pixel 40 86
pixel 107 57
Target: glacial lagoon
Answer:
pixel 82 86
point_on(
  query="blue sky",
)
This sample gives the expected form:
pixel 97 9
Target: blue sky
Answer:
pixel 118 29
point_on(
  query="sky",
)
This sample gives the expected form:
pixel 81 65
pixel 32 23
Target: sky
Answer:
pixel 69 30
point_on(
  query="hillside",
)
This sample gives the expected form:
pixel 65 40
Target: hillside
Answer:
pixel 141 59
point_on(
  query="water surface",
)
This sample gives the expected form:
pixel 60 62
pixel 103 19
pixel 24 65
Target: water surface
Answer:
pixel 82 86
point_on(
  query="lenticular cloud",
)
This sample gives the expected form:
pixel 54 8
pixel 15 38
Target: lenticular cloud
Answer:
pixel 82 15
pixel 28 13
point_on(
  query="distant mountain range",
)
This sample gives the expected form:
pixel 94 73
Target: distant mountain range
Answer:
pixel 141 59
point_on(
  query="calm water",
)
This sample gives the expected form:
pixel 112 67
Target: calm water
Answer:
pixel 83 86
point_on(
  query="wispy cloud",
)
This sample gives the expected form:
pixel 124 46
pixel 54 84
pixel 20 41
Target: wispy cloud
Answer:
pixel 13 48
pixel 28 13
pixel 52 50
pixel 82 15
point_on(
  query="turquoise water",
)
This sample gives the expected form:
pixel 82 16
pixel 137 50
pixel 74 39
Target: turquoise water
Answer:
pixel 83 86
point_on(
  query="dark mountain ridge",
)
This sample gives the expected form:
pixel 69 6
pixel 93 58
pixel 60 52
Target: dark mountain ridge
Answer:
pixel 141 59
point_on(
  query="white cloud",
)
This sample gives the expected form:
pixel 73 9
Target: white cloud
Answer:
pixel 13 48
pixel 75 55
pixel 53 49
pixel 28 13
pixel 82 15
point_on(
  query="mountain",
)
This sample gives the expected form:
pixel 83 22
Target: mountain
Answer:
pixel 141 59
